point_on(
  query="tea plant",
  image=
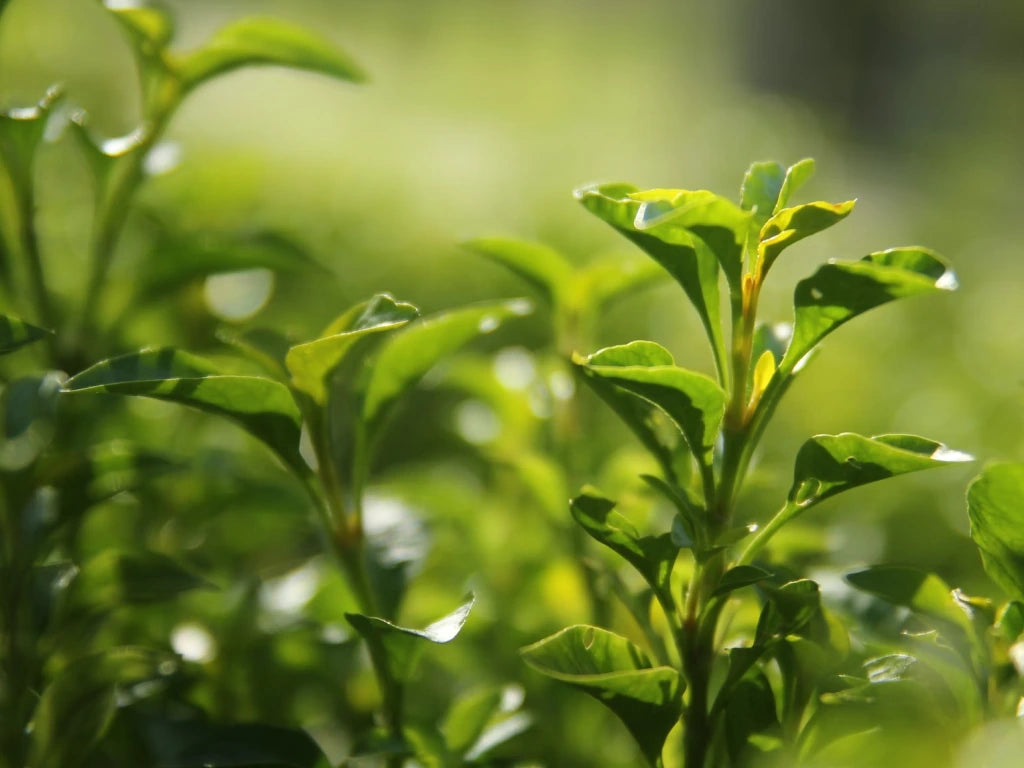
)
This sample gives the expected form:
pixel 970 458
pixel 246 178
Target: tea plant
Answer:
pixel 736 687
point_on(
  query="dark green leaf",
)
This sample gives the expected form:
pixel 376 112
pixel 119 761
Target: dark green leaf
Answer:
pixel 77 706
pixel 738 577
pixel 1010 621
pixel 790 225
pixel 688 525
pixel 841 290
pixel 543 268
pixel 113 579
pixel 749 710
pixel 21 132
pixel 28 416
pixel 618 674
pixel 16 333
pixel 258 40
pixel 311 364
pixel 263 407
pixel 652 556
pixel 995 505
pixel 398 649
pixel 693 401
pixel 830 464
pixel 407 356
pixel 788 609
pixel 918 590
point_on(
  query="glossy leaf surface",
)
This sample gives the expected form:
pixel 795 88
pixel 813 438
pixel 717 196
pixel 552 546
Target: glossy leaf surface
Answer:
pixel 841 290
pixel 618 674
pixel 258 40
pixel 263 407
pixel 995 504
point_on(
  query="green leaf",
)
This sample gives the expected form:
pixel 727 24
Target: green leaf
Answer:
pixel 149 26
pixel 830 464
pixel 619 675
pixel 113 579
pixel 912 588
pixel 21 132
pixel 790 225
pixel 77 706
pixel 15 333
pixel 995 505
pixel 750 709
pixel 738 577
pixel 311 364
pixel 693 401
pixel 760 190
pixel 264 346
pixel 605 281
pixel 28 414
pixel 468 717
pixel 546 270
pixel 407 356
pixel 788 609
pixel 262 407
pixel 652 556
pixel 796 176
pixel 690 262
pixel 258 40
pixel 398 649
pixel 841 290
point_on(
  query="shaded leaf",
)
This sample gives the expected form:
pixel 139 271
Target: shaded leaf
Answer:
pixel 791 225
pixel 407 356
pixel 546 270
pixel 16 333
pixel 264 346
pixel 841 290
pixel 607 280
pixel 995 505
pixel 263 407
pixel 112 579
pixel 652 556
pixel 398 649
pixel 912 588
pixel 258 40
pixel 738 577
pixel 28 413
pixel 21 131
pixel 788 609
pixel 618 674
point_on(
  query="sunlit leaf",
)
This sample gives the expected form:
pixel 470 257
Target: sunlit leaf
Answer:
pixel 150 27
pixel 258 40
pixel 790 225
pixel 398 649
pixel 546 270
pixel 760 190
pixel 841 290
pixel 618 674
pixel 652 556
pixel 995 504
pixel 263 407
pixel 830 464
pixel 918 590
pixel 312 363
pixel 77 706
pixel 408 355
pixel 796 176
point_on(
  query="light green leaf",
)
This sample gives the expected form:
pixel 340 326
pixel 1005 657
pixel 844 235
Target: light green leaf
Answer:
pixel 78 705
pixel 618 674
pixel 652 556
pixel 398 649
pixel 21 132
pixel 468 717
pixel 915 589
pixel 690 262
pixel 546 270
pixel 608 280
pixel 791 225
pixel 760 190
pixel 407 356
pixel 739 577
pixel 693 401
pixel 841 290
pixel 258 40
pixel 150 27
pixel 796 176
pixel 995 505
pixel 16 333
pixel 830 464
pixel 264 346
pixel 311 364
pixel 262 407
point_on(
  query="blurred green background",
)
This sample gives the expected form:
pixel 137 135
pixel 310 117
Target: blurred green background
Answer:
pixel 482 117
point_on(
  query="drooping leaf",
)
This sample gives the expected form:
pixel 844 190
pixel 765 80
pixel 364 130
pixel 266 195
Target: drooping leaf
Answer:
pixel 995 505
pixel 546 270
pixel 77 706
pixel 112 579
pixel 690 262
pixel 830 464
pixel 618 674
pixel 912 588
pixel 398 649
pixel 407 356
pixel 263 407
pixel 16 333
pixel 257 40
pixel 738 577
pixel 841 290
pixel 652 556
pixel 693 401
pixel 312 363
pixel 790 225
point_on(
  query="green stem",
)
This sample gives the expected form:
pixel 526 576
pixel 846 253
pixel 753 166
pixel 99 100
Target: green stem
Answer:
pixel 788 512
